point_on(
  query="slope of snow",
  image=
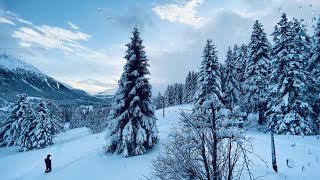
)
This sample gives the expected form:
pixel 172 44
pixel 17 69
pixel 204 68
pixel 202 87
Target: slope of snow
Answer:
pixel 46 80
pixel 11 63
pixel 77 154
pixel 31 85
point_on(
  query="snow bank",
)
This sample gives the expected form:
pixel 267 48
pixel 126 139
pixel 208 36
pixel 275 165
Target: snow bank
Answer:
pixel 77 154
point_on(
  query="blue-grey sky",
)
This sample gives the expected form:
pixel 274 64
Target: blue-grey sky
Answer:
pixel 82 43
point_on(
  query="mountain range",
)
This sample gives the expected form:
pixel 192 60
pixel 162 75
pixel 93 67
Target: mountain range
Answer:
pixel 17 76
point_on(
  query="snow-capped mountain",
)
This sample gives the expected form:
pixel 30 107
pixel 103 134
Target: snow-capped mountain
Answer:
pixel 17 76
pixel 107 94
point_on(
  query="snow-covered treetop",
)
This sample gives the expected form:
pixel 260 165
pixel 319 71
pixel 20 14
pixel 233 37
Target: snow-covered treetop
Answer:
pixel 208 80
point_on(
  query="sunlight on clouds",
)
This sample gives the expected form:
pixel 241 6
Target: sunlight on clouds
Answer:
pixel 49 37
pixel 73 26
pixel 6 21
pixel 62 34
pixel 184 13
pixel 24 44
pixel 32 37
pixel 24 21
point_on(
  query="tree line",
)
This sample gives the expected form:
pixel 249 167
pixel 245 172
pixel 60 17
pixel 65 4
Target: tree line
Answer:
pixel 32 124
pixel 279 82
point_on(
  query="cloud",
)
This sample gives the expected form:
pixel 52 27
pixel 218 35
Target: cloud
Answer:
pixel 36 38
pixel 184 13
pixel 73 26
pixel 49 37
pixel 6 21
pixel 62 34
pixel 24 21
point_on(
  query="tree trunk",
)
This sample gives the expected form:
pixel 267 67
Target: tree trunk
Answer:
pixel 215 167
pixel 260 121
pixel 229 162
pixel 206 165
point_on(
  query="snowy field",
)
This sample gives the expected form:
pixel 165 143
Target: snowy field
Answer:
pixel 77 154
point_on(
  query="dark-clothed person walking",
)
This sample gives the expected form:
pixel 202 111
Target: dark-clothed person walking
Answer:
pixel 48 163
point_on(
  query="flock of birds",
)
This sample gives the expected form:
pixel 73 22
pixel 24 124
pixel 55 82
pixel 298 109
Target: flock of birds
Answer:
pixel 103 12
pixel 107 16
pixel 303 4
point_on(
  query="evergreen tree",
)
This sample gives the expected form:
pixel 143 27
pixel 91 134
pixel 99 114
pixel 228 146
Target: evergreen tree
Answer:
pixel 55 115
pixel 236 52
pixel 187 92
pixel 80 117
pixel 289 111
pixel 96 119
pixel 231 86
pixel 177 93
pixel 11 127
pixel 169 95
pixel 159 101
pixel 42 134
pixel 314 68
pixel 208 82
pixel 241 62
pixel 190 87
pixel 194 79
pixel 257 72
pixel 132 123
pixel 27 126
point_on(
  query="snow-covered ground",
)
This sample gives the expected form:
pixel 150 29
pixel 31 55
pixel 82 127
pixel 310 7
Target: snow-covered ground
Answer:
pixel 77 154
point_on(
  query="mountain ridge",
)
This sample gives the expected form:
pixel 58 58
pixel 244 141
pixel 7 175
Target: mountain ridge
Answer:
pixel 17 76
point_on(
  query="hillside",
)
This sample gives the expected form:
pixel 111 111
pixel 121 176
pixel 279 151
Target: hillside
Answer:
pixel 16 77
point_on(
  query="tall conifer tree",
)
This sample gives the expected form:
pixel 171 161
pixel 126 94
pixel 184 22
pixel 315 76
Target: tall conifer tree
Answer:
pixel 132 123
pixel 257 72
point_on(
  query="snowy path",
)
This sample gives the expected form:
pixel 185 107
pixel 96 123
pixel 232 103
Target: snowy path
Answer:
pixel 77 154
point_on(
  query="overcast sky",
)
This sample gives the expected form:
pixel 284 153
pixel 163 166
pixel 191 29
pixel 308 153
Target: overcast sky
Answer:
pixel 82 43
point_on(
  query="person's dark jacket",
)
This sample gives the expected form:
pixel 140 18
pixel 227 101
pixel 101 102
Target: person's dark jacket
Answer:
pixel 48 162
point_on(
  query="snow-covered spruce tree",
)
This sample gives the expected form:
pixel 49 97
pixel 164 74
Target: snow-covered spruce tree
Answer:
pixel 187 92
pixel 314 69
pixel 236 52
pixel 80 117
pixel 159 101
pixel 241 61
pixel 67 111
pixel 42 134
pixel 289 111
pixel 55 115
pixel 190 150
pixel 257 72
pixel 11 127
pixel 178 93
pixel 97 119
pixel 194 77
pixel 132 124
pixel 231 86
pixel 27 125
pixel 208 80
pixel 190 87
pixel 169 96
